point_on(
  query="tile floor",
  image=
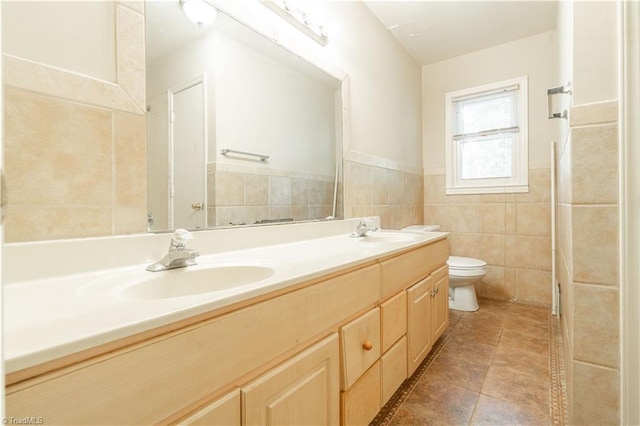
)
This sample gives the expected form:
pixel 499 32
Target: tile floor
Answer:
pixel 492 369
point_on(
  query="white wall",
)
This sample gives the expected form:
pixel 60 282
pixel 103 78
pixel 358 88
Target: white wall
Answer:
pixel 534 56
pixel 52 36
pixel 255 104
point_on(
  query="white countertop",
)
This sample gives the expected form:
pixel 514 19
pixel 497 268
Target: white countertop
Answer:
pixel 48 318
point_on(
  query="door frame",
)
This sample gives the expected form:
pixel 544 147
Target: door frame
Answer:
pixel 171 92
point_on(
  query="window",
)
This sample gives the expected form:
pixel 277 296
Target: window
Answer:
pixel 486 138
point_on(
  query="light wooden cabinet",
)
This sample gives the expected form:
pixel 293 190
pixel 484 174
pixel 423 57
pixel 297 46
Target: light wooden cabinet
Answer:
pixel 440 318
pixel 302 391
pixel 361 402
pixel 291 358
pixel 394 368
pixel 224 411
pixel 419 330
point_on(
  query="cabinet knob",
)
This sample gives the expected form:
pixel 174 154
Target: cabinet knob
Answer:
pixel 367 346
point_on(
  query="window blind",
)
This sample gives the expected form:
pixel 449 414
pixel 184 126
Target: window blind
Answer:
pixel 486 114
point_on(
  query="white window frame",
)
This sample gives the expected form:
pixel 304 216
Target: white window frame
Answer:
pixel 519 181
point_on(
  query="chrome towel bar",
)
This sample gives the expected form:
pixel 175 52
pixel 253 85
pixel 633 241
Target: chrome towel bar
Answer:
pixel 232 151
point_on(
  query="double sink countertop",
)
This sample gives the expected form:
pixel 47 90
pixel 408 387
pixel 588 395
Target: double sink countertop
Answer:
pixel 49 316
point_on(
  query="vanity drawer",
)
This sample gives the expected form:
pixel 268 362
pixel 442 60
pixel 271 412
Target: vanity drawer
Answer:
pixel 360 341
pixel 394 369
pixel 394 319
pixel 223 411
pixel 361 403
pixel 408 268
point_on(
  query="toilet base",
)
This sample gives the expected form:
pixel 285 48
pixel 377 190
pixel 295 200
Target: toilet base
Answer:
pixel 463 298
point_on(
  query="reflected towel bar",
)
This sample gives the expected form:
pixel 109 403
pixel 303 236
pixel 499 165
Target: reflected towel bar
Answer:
pixel 231 151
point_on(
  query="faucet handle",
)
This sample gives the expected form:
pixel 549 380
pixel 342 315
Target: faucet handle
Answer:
pixel 180 238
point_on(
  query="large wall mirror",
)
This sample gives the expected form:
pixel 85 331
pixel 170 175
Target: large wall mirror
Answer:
pixel 220 100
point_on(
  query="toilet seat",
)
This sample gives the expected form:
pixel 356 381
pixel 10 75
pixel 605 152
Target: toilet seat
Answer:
pixel 466 266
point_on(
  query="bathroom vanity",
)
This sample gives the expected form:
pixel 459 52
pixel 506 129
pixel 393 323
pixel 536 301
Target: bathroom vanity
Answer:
pixel 326 340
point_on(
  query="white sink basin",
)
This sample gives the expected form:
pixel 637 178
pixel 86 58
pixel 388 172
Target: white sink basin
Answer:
pixel 385 237
pixel 188 282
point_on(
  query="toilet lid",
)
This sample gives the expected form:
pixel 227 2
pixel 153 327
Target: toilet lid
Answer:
pixel 458 262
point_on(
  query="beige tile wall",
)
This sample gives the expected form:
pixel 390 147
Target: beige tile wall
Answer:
pixel 74 146
pixel 394 195
pixel 243 198
pixel 511 232
pixel 588 263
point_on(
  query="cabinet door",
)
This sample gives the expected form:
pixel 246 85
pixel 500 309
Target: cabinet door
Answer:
pixel 419 330
pixel 302 391
pixel 224 411
pixel 440 302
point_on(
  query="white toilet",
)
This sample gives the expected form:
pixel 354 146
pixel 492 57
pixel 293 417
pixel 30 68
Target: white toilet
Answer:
pixel 464 272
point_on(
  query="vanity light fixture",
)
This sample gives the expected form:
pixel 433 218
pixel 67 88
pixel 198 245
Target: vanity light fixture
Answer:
pixel 199 11
pixel 298 19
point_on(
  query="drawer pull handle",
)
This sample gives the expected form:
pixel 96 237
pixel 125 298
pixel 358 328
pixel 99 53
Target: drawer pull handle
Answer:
pixel 367 346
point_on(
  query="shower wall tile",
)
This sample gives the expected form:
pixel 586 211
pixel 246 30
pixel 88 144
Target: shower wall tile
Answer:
pixel 596 336
pixel 596 395
pixel 533 285
pixel 594 159
pixel 595 244
pixel 256 190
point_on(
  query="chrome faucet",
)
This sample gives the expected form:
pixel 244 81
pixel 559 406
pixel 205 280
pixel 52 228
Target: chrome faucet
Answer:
pixel 362 229
pixel 178 256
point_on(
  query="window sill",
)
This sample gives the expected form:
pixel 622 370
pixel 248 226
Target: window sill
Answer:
pixel 512 189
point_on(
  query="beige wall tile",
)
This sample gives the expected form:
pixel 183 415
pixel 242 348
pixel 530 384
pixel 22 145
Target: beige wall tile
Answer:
pixel 412 215
pixel 602 112
pixel 279 191
pixel 533 253
pixel 510 218
pixel 533 286
pixel 253 214
pixel 256 190
pixel 492 285
pixel 595 244
pixel 493 249
pixel 317 193
pixel 434 189
pixel 596 395
pixel 358 211
pixel 229 190
pixel 390 216
pixel 300 212
pixel 467 245
pixel 534 219
pixel 56 152
pixel 464 218
pixel 379 186
pixel 413 189
pixel 395 186
pixel 280 211
pixel 130 161
pixel 595 331
pixel 492 218
pixel 357 184
pixel 539 187
pixel 511 251
pixel 226 216
pixel 55 222
pixel 129 220
pixel 594 164
pixel 437 214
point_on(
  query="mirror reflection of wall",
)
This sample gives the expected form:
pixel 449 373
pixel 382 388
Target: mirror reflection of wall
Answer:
pixel 249 95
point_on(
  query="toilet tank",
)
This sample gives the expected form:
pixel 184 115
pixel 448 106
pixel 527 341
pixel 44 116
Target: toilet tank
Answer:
pixel 421 228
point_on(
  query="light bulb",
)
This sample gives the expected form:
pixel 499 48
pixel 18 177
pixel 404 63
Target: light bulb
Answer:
pixel 199 11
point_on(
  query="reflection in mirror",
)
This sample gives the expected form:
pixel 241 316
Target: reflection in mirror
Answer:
pixel 226 87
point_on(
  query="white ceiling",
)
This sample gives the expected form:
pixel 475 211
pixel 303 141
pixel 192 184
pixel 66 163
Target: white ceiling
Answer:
pixel 433 31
